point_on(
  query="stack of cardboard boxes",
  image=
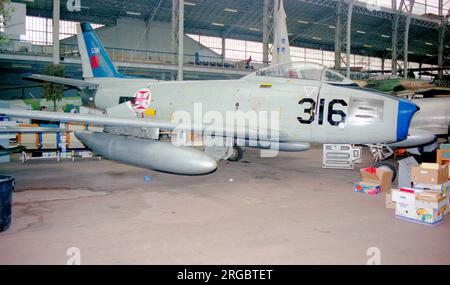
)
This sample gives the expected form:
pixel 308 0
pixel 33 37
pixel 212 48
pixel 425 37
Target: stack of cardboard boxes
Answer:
pixel 374 181
pixel 426 201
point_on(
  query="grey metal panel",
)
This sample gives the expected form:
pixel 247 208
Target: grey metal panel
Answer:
pixel 365 109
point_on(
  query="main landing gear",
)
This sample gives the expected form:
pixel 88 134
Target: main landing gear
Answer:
pixel 237 154
pixel 381 152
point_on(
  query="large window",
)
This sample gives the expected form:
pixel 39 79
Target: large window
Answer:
pixel 39 30
pixel 237 50
pixel 241 50
pixel 420 6
pixel 234 49
pixel 213 43
pixel 426 7
pixel 382 3
pixel 298 54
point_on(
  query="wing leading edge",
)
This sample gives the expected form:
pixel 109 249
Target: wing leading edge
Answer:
pixel 228 131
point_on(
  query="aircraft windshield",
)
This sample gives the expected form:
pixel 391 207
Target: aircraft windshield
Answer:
pixel 295 70
pixel 303 70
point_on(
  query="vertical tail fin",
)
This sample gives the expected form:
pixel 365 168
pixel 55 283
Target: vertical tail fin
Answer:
pixel 95 60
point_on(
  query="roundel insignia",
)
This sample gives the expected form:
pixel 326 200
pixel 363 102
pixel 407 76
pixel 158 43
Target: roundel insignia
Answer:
pixel 142 99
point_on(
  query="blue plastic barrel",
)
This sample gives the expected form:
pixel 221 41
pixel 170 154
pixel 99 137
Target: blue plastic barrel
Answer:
pixel 7 184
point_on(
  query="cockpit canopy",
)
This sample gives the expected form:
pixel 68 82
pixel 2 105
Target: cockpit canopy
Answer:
pixel 305 71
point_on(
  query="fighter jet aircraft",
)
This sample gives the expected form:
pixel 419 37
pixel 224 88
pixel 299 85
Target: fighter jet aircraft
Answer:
pixel 313 105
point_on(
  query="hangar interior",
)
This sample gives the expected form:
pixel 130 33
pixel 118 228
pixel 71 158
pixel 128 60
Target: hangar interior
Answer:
pixel 289 209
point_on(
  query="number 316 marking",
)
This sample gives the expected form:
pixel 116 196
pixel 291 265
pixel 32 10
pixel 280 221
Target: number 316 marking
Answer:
pixel 311 111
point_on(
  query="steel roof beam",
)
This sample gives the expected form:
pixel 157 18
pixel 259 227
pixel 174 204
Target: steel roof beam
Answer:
pixel 377 11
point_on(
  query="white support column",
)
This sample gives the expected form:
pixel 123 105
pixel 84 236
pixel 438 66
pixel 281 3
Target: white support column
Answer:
pixel 349 37
pixel 174 39
pixel 266 35
pixel 180 40
pixel 441 50
pixel 223 49
pixel 338 36
pixel 56 17
pixel 394 45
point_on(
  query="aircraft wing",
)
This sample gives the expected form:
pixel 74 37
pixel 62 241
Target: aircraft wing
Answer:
pixel 238 132
pixel 15 130
pixel 80 84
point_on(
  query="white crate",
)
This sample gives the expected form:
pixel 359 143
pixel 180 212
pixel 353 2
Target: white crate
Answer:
pixel 341 156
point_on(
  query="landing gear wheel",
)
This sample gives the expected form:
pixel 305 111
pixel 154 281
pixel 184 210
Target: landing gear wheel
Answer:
pixel 237 155
pixel 389 166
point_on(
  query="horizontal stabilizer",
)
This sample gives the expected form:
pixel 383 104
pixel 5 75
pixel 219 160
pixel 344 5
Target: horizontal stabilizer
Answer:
pixel 80 84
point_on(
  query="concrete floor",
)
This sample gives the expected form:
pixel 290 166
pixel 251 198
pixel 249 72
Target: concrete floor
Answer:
pixel 284 210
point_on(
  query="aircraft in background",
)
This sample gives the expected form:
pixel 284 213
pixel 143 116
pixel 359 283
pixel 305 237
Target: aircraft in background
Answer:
pixel 432 120
pixel 393 85
pixel 430 123
pixel 314 104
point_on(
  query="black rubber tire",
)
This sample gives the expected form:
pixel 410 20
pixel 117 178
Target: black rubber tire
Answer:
pixel 388 165
pixel 238 154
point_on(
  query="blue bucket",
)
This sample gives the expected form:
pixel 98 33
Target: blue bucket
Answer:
pixel 7 184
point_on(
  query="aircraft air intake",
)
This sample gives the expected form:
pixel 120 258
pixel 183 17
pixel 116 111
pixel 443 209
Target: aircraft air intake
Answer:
pixel 406 110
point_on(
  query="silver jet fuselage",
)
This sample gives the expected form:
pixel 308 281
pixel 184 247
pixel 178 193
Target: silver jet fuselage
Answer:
pixel 318 111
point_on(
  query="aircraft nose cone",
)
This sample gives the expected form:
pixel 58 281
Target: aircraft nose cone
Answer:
pixel 406 110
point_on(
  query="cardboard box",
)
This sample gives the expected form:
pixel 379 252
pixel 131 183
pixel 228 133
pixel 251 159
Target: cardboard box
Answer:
pixel 427 165
pixel 381 177
pixel 367 187
pixel 406 211
pixel 389 203
pixel 418 206
pixel 429 175
pixel 429 214
pixel 405 196
pixel 441 188
pixel 433 200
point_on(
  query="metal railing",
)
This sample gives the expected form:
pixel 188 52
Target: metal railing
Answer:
pixel 130 56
